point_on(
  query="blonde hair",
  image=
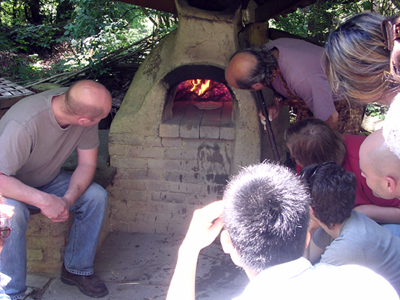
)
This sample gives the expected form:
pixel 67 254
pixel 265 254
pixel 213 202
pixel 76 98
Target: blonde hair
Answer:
pixel 355 60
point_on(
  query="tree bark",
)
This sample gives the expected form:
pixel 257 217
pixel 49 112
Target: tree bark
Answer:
pixel 32 12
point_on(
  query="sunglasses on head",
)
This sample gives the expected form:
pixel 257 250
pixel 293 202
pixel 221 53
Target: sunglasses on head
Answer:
pixel 315 170
pixel 391 35
pixel 391 31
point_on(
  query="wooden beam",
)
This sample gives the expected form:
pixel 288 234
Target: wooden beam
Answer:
pixel 245 3
pixel 164 5
pixel 276 7
pixel 257 33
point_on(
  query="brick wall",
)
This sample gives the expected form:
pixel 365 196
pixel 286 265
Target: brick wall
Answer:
pixel 161 181
pixel 45 243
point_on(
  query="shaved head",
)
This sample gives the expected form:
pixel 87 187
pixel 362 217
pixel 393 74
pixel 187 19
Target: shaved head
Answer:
pixel 378 163
pixel 378 153
pixel 89 99
pixel 391 126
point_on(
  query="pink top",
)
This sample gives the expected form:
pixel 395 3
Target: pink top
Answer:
pixel 300 64
pixel 364 194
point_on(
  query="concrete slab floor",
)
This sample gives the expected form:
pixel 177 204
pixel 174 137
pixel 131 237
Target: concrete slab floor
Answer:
pixel 139 266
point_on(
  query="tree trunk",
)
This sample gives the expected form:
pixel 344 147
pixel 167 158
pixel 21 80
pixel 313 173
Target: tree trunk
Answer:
pixel 64 11
pixel 32 12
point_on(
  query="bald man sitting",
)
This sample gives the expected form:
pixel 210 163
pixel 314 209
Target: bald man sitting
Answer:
pixel 292 69
pixel 36 136
pixel 381 169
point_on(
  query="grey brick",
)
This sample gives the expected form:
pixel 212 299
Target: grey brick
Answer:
pixel 159 164
pixel 127 162
pixel 168 197
pixel 182 154
pixel 149 152
pixel 171 142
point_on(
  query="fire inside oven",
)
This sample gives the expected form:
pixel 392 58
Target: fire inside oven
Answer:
pixel 201 108
pixel 203 91
pixel 199 95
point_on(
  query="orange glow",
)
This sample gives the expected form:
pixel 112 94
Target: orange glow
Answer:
pixel 200 86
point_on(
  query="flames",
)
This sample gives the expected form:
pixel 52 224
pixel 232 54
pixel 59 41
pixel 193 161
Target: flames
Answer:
pixel 201 90
pixel 200 86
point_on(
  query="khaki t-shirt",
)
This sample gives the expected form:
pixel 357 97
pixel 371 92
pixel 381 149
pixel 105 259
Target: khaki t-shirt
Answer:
pixel 33 145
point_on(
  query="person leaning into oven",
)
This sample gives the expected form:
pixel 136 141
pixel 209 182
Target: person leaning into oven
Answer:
pixel 292 69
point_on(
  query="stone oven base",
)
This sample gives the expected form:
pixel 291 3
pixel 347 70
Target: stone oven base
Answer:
pixel 161 181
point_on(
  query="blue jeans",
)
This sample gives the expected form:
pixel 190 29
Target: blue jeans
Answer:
pixel 89 211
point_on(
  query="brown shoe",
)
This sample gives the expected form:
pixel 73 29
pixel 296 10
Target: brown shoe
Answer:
pixel 89 285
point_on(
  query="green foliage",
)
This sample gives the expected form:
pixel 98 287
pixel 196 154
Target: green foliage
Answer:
pixel 36 37
pixel 376 110
pixel 98 29
pixel 316 21
pixel 92 28
pixel 5 42
pixel 23 70
pixel 90 17
pixel 11 12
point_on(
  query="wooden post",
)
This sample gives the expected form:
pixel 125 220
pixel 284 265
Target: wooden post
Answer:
pixel 257 33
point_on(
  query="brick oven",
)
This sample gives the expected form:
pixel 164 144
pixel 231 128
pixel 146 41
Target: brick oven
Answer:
pixel 175 150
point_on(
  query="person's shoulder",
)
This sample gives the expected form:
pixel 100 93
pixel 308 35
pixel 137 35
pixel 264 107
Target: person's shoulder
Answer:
pixel 358 221
pixel 353 144
pixel 28 108
pixel 363 232
pixel 359 274
pixel 43 97
pixel 294 44
pixel 353 139
pixel 354 282
pixel 346 282
pixel 356 218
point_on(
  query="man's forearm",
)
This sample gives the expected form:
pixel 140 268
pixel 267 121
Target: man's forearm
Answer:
pixel 205 226
pixel 183 281
pixel 80 180
pixel 12 188
pixel 333 120
pixel 51 206
pixel 380 214
pixel 83 174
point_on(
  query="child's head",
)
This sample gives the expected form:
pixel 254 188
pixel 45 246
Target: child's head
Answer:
pixel 332 190
pixel 313 141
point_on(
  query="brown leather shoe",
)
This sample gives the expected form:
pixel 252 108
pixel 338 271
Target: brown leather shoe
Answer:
pixel 89 285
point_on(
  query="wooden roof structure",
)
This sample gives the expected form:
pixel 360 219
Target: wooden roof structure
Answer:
pixel 266 9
